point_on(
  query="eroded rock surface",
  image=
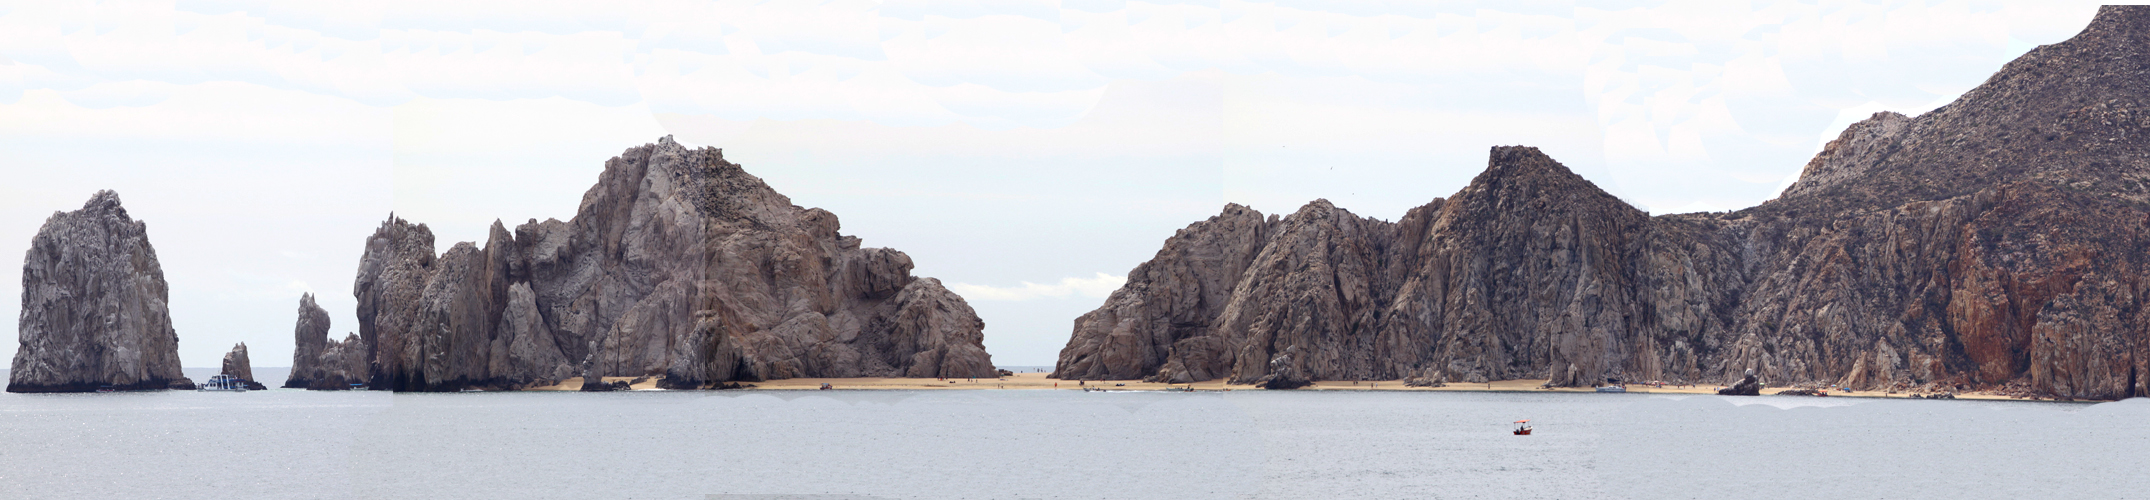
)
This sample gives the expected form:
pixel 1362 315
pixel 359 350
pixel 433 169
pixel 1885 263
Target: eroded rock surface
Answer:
pixel 678 264
pixel 1747 386
pixel 319 363
pixel 236 364
pixel 93 306
pixel 1997 240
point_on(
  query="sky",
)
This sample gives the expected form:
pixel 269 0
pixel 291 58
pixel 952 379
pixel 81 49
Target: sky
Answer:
pixel 1027 153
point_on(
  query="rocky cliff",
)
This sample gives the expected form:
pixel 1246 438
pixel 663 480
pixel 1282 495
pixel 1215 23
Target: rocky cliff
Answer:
pixel 678 263
pixel 1994 242
pixel 319 363
pixel 93 306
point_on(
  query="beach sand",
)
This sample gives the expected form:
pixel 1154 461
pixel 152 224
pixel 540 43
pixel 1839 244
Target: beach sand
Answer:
pixel 575 384
pixel 1038 381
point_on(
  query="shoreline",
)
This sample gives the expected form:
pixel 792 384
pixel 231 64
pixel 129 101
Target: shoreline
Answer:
pixel 1038 381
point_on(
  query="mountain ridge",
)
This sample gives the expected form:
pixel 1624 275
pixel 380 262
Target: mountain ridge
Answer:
pixel 1993 242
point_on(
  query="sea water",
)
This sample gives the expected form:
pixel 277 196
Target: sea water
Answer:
pixel 1059 444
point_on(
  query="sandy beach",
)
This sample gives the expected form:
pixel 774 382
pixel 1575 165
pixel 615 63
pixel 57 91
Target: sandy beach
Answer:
pixel 575 384
pixel 1038 381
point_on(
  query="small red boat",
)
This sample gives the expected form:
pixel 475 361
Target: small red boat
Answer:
pixel 1522 427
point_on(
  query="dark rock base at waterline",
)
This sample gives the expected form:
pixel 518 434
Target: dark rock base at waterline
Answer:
pixel 181 384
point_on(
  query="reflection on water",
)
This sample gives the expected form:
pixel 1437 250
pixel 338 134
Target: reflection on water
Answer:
pixel 1057 444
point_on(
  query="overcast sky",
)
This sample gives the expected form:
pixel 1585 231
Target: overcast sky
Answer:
pixel 1027 153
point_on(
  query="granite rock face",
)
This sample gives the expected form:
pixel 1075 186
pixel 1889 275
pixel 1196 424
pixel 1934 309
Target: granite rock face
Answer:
pixel 319 363
pixel 239 365
pixel 1997 240
pixel 93 306
pixel 236 364
pixel 677 264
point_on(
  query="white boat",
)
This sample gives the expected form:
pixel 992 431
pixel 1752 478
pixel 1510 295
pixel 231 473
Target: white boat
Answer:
pixel 223 382
pixel 1612 388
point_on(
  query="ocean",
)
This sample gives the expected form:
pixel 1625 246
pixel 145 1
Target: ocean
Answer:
pixel 991 444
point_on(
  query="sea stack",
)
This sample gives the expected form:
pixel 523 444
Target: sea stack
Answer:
pixel 237 365
pixel 319 363
pixel 677 264
pixel 93 307
pixel 1993 242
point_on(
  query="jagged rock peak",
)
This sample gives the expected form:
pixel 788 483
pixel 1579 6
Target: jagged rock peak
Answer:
pixel 93 306
pixel 1320 207
pixel 318 362
pixel 2066 113
pixel 1516 170
pixel 106 201
pixel 1843 159
pixel 237 364
pixel 2124 22
pixel 1523 178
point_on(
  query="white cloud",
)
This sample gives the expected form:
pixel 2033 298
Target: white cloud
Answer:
pixel 214 110
pixel 1097 287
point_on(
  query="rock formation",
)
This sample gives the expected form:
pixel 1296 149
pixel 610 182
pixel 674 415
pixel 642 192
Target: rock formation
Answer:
pixel 319 363
pixel 1747 386
pixel 1283 374
pixel 93 307
pixel 1995 240
pixel 677 264
pixel 236 364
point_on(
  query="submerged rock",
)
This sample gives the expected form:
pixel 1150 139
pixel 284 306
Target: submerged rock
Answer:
pixel 93 307
pixel 237 365
pixel 1993 241
pixel 678 263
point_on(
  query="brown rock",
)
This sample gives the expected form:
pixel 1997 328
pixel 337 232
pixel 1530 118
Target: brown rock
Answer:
pixel 340 366
pixel 1172 298
pixel 1992 242
pixel 93 306
pixel 1747 386
pixel 237 365
pixel 317 362
pixel 678 264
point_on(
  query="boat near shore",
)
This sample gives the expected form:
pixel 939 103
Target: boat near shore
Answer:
pixel 223 383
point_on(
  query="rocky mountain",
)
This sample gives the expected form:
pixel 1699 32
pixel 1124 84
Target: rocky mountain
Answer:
pixel 319 363
pixel 93 306
pixel 678 263
pixel 1996 242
